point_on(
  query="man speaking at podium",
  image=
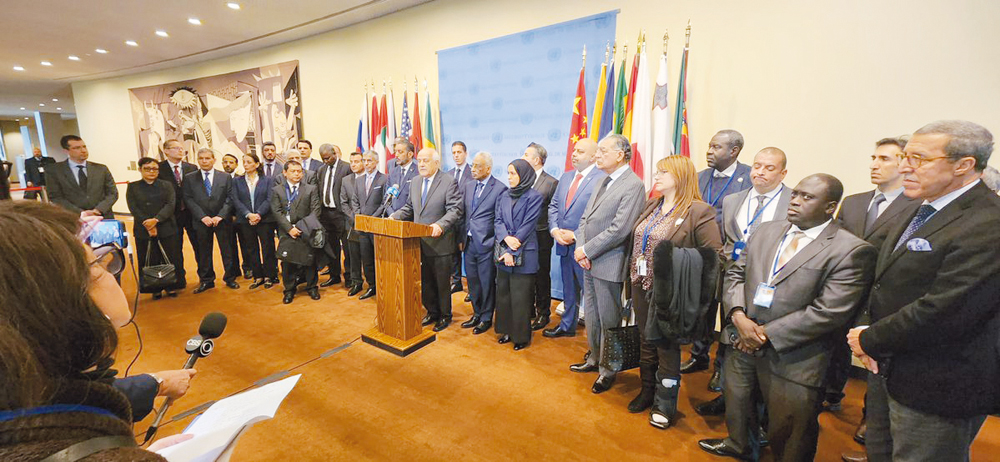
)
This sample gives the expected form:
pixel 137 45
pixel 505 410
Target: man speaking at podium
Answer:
pixel 434 200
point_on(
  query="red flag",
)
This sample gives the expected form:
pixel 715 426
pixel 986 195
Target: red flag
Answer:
pixel 578 124
pixel 630 99
pixel 384 125
pixel 375 127
pixel 416 137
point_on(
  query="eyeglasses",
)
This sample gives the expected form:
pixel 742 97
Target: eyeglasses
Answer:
pixel 916 160
pixel 151 169
pixel 110 256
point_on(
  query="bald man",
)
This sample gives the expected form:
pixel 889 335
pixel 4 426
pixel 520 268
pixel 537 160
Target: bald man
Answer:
pixel 34 171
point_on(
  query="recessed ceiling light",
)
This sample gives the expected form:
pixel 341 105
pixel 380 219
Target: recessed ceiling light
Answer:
pixel 131 43
pixel 22 108
pixel 58 108
pixel 41 104
pixel 194 21
pixel 233 5
pixel 54 100
pixel 46 63
pixel 18 68
pixel 101 50
pixel 162 33
pixel 74 58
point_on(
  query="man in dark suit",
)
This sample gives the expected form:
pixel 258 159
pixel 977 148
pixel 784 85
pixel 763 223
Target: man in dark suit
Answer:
pixel 292 203
pixel 272 167
pixel 173 170
pixel 309 164
pixel 725 175
pixel 434 200
pixel 351 203
pixel 742 213
pixel 463 175
pixel 239 248
pixel 568 202
pixel 477 233
pixel 371 191
pixel 81 186
pixel 330 179
pixel 545 184
pixel 308 176
pixel 401 173
pixel 932 344
pixel 602 249
pixel 34 171
pixel 206 193
pixel 788 296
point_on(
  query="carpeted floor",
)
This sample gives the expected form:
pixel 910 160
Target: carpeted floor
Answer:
pixel 462 396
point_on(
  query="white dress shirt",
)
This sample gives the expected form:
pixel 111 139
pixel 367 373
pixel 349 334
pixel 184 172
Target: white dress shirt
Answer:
pixel 728 172
pixel 809 235
pixel 889 197
pixel 745 213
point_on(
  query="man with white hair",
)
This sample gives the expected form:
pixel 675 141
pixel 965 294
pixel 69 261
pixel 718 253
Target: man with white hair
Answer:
pixel 479 197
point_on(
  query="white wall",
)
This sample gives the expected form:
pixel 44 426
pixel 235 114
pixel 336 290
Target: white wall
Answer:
pixel 820 79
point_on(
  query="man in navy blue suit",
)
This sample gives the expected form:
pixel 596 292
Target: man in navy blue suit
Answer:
pixel 724 176
pixel 565 210
pixel 480 195
pixel 463 175
pixel 401 173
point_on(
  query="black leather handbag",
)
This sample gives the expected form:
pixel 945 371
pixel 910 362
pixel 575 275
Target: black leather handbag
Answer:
pixel 500 248
pixel 155 278
pixel 620 345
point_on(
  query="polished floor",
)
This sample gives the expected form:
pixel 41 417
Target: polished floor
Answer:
pixel 462 396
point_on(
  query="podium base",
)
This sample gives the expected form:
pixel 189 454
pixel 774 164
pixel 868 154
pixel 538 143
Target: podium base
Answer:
pixel 396 346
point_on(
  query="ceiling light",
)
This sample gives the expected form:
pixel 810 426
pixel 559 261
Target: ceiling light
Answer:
pixel 46 63
pixel 18 68
pixel 22 108
pixel 233 5
pixel 194 21
pixel 101 51
pixel 54 100
pixel 74 58
pixel 162 33
pixel 58 108
pixel 131 43
pixel 41 104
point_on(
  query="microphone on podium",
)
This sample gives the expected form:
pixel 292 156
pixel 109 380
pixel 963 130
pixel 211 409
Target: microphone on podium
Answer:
pixel 199 346
pixel 390 194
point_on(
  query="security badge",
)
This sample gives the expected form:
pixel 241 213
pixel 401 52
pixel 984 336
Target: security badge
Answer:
pixel 764 295
pixel 640 264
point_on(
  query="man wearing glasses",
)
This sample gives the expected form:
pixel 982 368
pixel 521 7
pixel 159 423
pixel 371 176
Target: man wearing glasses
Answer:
pixel 173 170
pixel 931 344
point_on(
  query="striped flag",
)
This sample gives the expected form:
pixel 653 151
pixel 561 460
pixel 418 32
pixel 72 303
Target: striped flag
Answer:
pixel 383 143
pixel 429 138
pixel 595 119
pixel 620 91
pixel 374 121
pixel 682 145
pixel 641 136
pixel 363 136
pixel 630 96
pixel 608 98
pixel 404 125
pixel 417 137
pixel 390 128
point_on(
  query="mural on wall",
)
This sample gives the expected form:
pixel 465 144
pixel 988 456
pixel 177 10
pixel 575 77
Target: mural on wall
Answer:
pixel 231 113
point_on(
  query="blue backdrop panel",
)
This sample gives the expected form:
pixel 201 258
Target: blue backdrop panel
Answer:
pixel 499 95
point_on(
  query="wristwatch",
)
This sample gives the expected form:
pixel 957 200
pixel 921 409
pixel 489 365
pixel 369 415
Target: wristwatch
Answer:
pixel 159 382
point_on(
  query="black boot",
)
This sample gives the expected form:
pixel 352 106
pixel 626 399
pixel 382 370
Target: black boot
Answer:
pixel 647 373
pixel 665 402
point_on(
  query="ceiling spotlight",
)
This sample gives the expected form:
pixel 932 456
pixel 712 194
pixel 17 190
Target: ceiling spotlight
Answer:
pixel 46 63
pixel 101 51
pixel 54 100
pixel 162 33
pixel 131 43
pixel 22 108
pixel 58 108
pixel 194 21
pixel 233 5
pixel 41 104
pixel 18 68
pixel 74 58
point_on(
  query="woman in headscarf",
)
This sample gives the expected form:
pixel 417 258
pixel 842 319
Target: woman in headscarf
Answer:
pixel 517 254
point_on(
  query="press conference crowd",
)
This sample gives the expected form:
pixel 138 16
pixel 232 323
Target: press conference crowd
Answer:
pixel 904 278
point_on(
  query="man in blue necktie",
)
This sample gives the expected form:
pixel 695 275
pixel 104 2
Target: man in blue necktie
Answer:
pixel 477 233
pixel 206 194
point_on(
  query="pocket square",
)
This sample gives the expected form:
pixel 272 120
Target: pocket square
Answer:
pixel 918 245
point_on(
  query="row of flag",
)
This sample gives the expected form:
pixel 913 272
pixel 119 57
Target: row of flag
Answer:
pixel 377 123
pixel 628 107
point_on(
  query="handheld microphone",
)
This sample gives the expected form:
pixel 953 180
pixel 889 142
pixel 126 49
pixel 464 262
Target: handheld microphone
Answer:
pixel 199 346
pixel 390 194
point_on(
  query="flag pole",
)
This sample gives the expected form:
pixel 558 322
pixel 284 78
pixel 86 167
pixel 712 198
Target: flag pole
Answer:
pixel 585 56
pixel 687 35
pixel 666 38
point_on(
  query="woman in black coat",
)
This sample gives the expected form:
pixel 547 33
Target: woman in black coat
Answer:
pixel 151 202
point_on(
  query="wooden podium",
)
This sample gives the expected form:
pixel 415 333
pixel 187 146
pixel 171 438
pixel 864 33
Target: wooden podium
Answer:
pixel 397 271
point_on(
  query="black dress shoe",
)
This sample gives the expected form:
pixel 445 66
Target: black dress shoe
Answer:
pixel 442 324
pixel 643 401
pixel 602 384
pixel 288 297
pixel 203 287
pixel 715 383
pixel 269 283
pixel 503 339
pixel 557 332
pixel 232 284
pixel 330 282
pixel 468 298
pixel 660 420
pixel 694 364
pixel 354 290
pixel 540 323
pixel 456 288
pixel 369 294
pixel 172 293
pixel 247 275
pixel 325 272
pixel 472 322
pixel 520 346
pixel 859 434
pixel 313 293
pixel 428 320
pixel 719 447
pixel 584 367
pixel 716 406
pixel 482 327
pixel 256 284
pixel 157 295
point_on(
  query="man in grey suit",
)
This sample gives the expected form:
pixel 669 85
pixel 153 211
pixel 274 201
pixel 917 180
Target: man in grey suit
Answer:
pixel 788 296
pixel 292 203
pixel 371 191
pixel 545 184
pixel 351 207
pixel 602 248
pixel 434 200
pixel 79 185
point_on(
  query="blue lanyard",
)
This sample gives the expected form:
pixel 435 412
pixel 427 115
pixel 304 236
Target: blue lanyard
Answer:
pixel 53 409
pixel 760 212
pixel 652 223
pixel 721 193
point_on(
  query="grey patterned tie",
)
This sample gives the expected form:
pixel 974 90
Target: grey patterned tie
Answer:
pixel 923 214
pixel 756 215
pixel 873 213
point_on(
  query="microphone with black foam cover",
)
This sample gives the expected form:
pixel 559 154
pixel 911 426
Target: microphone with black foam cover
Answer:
pixel 390 194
